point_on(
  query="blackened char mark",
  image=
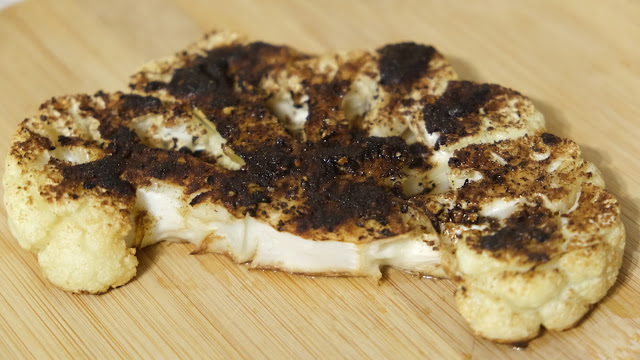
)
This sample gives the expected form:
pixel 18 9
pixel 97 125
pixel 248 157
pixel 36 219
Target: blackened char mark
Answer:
pixel 106 171
pixel 450 114
pixel 360 157
pixel 338 201
pixel 252 61
pixel 209 80
pixel 137 105
pixel 270 163
pixel 550 139
pixel 404 63
pixel 71 140
pixel 524 233
pixel 151 86
pixel 206 81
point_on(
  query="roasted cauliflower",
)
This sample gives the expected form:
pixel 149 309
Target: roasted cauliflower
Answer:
pixel 337 164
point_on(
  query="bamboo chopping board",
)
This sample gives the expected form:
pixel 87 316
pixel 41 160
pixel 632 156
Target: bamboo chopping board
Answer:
pixel 579 62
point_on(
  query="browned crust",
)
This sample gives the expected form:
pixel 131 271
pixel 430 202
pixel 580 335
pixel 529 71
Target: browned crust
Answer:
pixel 339 181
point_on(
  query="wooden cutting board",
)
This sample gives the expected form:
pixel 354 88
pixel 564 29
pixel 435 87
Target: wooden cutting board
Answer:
pixel 578 60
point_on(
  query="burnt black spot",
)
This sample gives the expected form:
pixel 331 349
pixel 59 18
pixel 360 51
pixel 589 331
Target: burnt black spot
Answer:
pixel 252 61
pixel 404 63
pixel 461 99
pixel 497 178
pixel 206 79
pixel 154 86
pixel 271 162
pixel 258 197
pixel 66 140
pixel 522 233
pixel 342 200
pixel 512 237
pixel 199 198
pixel 211 78
pixel 550 139
pixel 104 172
pixel 139 105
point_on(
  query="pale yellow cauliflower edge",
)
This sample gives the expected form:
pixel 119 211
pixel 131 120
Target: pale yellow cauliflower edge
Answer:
pixel 63 231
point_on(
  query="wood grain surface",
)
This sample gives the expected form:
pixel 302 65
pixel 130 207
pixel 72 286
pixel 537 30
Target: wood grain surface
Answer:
pixel 578 60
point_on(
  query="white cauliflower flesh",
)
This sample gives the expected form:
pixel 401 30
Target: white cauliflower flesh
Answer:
pixel 337 164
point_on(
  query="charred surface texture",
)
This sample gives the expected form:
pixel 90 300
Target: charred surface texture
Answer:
pixel 403 64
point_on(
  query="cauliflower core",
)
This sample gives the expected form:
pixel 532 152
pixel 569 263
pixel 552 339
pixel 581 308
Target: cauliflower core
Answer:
pixel 337 164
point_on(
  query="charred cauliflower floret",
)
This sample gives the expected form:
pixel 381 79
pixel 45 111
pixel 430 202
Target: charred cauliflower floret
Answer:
pixel 337 164
pixel 82 237
pixel 538 269
pixel 533 239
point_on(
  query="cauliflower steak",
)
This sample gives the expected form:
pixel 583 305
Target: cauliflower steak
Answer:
pixel 334 164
